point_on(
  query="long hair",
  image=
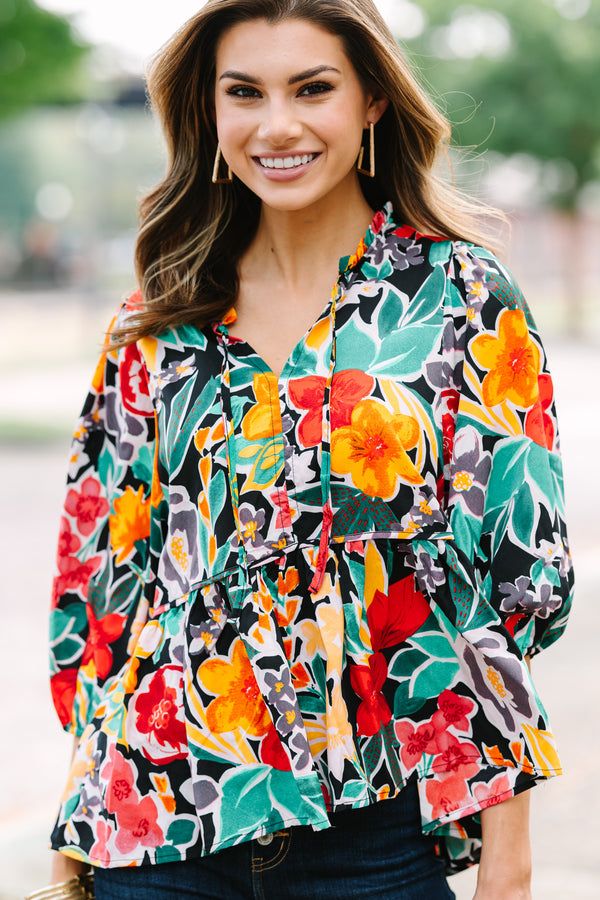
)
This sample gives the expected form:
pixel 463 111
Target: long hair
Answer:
pixel 192 233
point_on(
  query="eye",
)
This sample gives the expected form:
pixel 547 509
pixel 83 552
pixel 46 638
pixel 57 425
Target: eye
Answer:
pixel 322 87
pixel 314 88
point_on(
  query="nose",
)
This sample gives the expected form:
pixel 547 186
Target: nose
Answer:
pixel 280 126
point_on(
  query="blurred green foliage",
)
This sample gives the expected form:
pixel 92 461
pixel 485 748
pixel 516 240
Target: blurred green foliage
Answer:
pixel 540 95
pixel 40 58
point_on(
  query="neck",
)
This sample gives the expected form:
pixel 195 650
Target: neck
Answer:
pixel 290 244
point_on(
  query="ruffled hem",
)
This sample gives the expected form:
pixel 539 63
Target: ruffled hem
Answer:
pixel 458 843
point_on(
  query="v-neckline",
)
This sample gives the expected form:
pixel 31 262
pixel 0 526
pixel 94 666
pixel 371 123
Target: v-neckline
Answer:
pixel 378 223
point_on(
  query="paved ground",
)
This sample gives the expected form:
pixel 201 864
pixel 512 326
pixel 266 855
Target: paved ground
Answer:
pixel 34 752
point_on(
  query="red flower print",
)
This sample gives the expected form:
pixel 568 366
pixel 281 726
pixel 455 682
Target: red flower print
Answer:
pixel 284 516
pixel 347 388
pixel 157 712
pixel 459 757
pixel 102 632
pixel 62 688
pixel 68 542
pixel 451 397
pixel 134 383
pixel 446 795
pixel 73 573
pixel 415 741
pixel 326 797
pixel 493 792
pixel 395 616
pixel 511 622
pixel 272 752
pixel 137 824
pixel 367 682
pixel 103 834
pixel 86 505
pixel 452 710
pixel 538 423
pixel 134 301
pixel 119 777
pixel 378 221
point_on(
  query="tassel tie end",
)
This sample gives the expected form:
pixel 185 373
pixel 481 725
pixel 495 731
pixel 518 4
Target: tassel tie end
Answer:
pixel 319 574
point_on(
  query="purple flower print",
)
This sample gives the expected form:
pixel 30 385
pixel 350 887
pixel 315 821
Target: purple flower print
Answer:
pixel 428 574
pixel 497 678
pixel 469 471
pixel 280 689
pixel 251 522
pixel 519 597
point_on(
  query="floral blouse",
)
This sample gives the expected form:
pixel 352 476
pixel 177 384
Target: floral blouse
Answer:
pixel 279 597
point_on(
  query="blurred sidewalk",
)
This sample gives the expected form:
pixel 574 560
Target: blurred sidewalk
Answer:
pixel 35 751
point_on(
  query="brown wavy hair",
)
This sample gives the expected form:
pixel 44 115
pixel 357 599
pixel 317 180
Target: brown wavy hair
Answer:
pixel 192 232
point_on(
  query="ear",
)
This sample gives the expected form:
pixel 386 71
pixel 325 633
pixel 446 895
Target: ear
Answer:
pixel 376 108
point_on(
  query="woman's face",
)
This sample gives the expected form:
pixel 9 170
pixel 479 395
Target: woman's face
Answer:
pixel 290 143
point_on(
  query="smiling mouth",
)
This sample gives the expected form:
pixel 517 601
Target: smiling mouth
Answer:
pixel 285 162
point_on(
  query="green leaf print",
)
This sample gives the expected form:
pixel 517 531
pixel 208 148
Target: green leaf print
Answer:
pixel 427 301
pixel 66 626
pixel 433 678
pixel 402 353
pixel 182 831
pixel 392 310
pixel 183 421
pixel 354 344
pixel 404 702
pixel 250 794
pixel 524 515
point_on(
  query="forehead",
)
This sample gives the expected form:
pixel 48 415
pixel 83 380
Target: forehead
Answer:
pixel 263 48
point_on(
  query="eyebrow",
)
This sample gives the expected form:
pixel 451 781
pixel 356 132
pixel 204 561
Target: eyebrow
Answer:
pixel 301 76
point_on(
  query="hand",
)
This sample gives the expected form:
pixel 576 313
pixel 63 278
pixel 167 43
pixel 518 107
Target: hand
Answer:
pixel 64 868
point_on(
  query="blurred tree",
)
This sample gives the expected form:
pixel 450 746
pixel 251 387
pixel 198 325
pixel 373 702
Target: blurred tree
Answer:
pixel 40 58
pixel 533 70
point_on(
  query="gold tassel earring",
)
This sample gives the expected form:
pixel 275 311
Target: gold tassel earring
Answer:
pixel 215 177
pixel 371 170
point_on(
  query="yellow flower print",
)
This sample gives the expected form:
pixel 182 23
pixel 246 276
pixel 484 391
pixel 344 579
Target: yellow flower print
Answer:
pixel 263 420
pixel 130 522
pixel 513 361
pixel 372 449
pixel 239 703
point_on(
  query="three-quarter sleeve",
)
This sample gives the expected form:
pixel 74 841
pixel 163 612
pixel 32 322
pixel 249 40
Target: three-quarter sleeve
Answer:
pixel 506 493
pixel 104 524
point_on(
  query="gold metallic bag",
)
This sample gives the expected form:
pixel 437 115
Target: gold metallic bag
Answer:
pixel 79 888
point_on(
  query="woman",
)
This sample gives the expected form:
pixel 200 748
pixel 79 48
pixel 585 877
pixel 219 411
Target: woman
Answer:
pixel 312 535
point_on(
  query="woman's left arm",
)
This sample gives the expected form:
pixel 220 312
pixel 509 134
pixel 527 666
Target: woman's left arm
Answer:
pixel 504 875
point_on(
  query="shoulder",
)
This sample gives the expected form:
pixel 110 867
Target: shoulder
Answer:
pixel 485 281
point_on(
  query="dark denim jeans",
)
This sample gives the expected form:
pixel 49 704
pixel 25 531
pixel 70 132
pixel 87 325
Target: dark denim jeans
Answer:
pixel 374 852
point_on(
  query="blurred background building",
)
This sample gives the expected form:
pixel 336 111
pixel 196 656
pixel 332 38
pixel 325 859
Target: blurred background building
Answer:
pixel 520 83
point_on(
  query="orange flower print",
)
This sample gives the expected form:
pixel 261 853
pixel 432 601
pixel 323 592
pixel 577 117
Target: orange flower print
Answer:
pixel 513 361
pixel 239 703
pixel 130 521
pixel 372 449
pixel 263 419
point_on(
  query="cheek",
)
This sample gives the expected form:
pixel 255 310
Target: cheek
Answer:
pixel 235 128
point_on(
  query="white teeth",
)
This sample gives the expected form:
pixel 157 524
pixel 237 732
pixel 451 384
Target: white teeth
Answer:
pixel 285 162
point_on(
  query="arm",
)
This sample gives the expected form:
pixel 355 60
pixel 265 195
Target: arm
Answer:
pixel 103 545
pixel 506 500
